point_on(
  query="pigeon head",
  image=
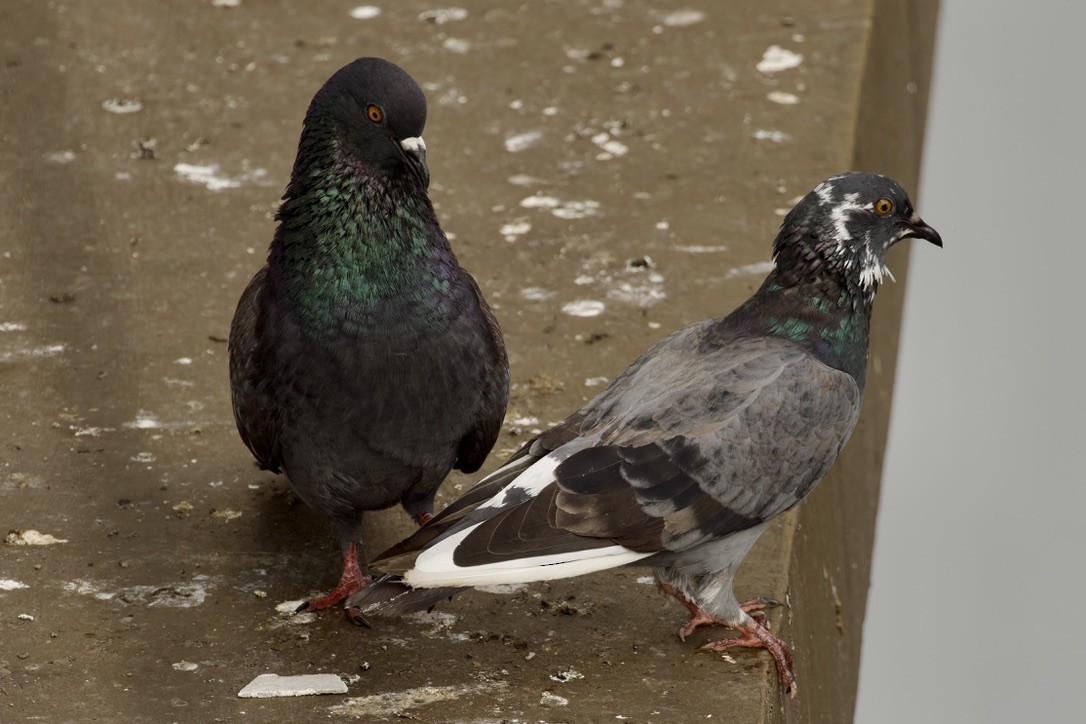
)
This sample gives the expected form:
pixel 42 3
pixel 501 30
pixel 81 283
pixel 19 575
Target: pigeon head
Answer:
pixel 375 112
pixel 847 224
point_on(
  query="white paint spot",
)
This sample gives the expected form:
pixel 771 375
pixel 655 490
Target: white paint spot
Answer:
pixel 610 145
pixel 456 45
pixel 522 141
pixel 172 595
pixel 513 229
pixel 595 381
pixel 682 18
pixel 522 179
pixel 123 105
pixel 183 360
pixel 774 136
pixel 536 294
pixel 86 588
pixel 663 225
pixel 208 175
pixel 25 617
pixel 443 15
pixel 144 421
pixel 226 3
pixel 267 686
pixel 576 209
pixel 32 537
pixel 562 209
pixel 524 421
pixel 584 280
pixel 397 703
pixel 785 99
pixel 540 201
pixel 59 156
pixel 10 584
pixel 700 249
pixel 289 606
pixel 143 457
pixel 776 59
pixel 642 292
pixel 761 267
pixel 646 580
pixel 549 699
pixel 365 12
pixel 48 351
pixel 303 618
pixel 617 62
pixel 584 308
pixel 226 514
pixel 185 666
pixel 12 326
pixel 503 589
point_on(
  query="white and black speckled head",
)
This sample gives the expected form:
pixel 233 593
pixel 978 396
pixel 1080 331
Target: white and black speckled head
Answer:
pixel 846 225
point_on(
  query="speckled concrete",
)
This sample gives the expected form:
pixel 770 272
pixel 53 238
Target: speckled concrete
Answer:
pixel 608 170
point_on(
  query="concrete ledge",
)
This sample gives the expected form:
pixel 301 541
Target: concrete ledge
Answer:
pixel 650 130
pixel 830 559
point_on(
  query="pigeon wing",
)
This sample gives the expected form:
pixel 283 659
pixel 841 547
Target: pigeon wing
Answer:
pixel 254 410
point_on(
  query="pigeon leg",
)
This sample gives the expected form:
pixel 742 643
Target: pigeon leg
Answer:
pixel 755 635
pixel 423 518
pixel 754 632
pixel 350 581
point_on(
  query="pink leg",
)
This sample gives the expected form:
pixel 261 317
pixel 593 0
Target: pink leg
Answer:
pixel 423 518
pixel 350 581
pixel 754 634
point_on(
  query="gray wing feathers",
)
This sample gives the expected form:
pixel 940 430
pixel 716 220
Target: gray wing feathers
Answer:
pixel 708 449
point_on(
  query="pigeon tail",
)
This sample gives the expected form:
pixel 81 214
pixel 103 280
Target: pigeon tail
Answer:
pixel 389 596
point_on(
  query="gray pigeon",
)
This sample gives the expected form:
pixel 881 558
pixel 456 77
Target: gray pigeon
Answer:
pixel 364 362
pixel 684 459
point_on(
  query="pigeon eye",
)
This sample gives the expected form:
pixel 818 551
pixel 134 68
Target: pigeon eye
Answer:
pixel 375 114
pixel 884 206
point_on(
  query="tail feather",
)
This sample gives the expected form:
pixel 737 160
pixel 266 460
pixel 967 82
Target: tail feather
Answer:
pixel 389 596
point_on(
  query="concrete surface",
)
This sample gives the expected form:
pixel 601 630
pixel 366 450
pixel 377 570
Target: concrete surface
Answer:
pixel 143 150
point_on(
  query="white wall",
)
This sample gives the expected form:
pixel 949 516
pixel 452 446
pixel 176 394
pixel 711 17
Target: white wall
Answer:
pixel 975 612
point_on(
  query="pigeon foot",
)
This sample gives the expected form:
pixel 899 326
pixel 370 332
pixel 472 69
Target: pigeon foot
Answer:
pixel 350 582
pixel 755 635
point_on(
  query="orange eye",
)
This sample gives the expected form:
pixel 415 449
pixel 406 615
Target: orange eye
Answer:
pixel 375 114
pixel 884 206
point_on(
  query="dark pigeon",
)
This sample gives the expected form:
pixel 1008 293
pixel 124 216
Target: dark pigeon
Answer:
pixel 684 459
pixel 364 362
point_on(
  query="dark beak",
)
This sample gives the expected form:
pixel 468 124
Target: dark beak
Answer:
pixel 915 228
pixel 414 152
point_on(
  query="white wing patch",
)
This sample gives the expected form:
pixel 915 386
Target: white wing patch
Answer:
pixel 435 566
pixel 526 485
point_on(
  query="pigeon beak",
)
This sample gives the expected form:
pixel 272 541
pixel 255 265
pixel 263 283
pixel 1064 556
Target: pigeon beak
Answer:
pixel 915 228
pixel 414 151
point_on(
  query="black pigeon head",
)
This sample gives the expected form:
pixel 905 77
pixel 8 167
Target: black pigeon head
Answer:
pixel 847 224
pixel 376 113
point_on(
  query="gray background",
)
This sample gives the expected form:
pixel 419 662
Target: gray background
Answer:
pixel 974 614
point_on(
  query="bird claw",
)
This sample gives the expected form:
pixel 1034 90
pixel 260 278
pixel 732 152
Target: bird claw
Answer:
pixel 759 604
pixel 755 635
pixel 354 615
